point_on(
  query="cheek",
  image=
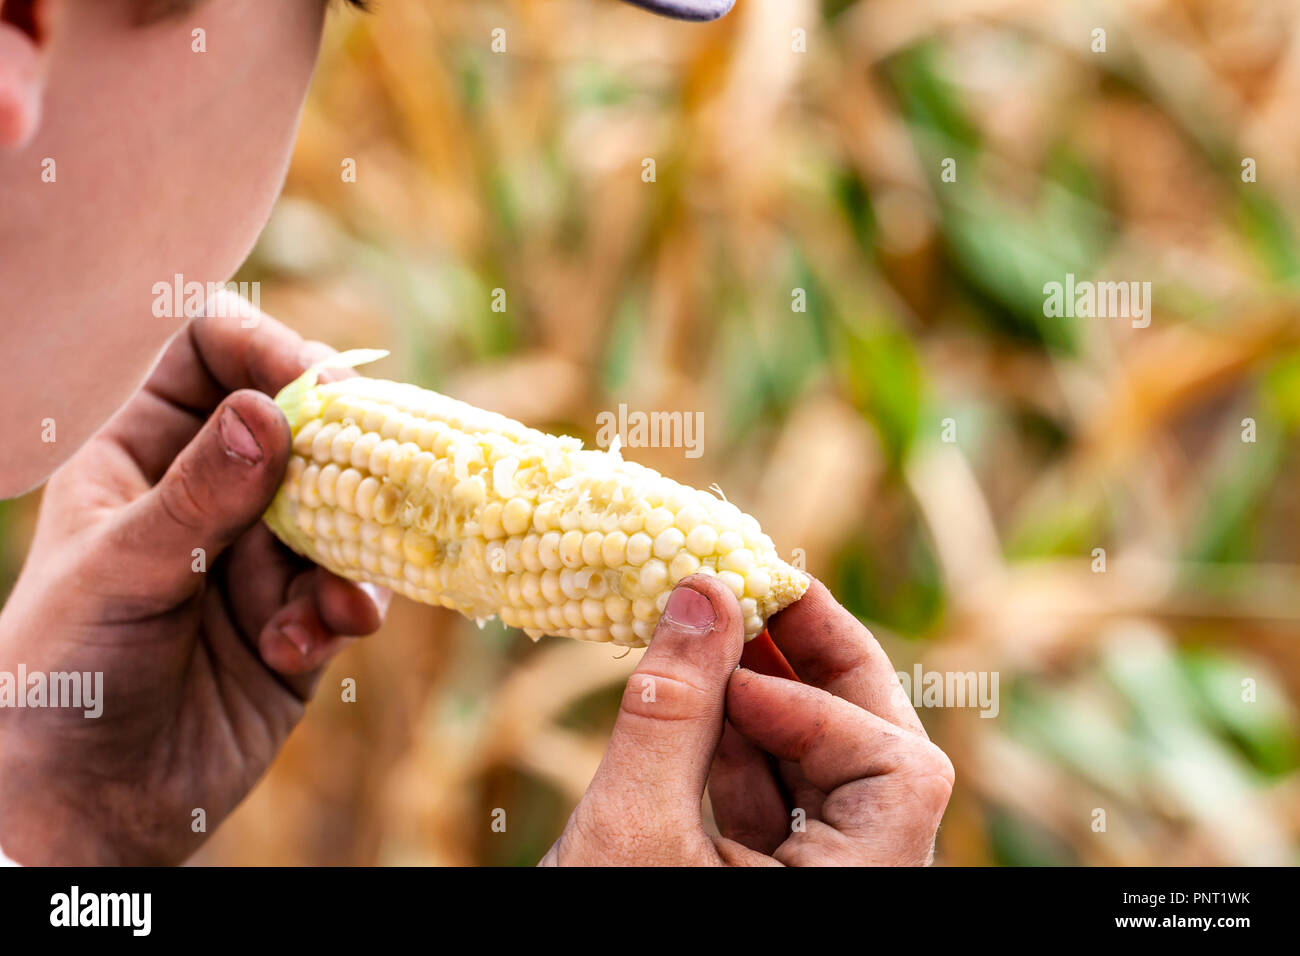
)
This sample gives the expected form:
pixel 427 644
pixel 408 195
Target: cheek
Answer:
pixel 233 134
pixel 171 142
pixel 204 116
pixel 166 160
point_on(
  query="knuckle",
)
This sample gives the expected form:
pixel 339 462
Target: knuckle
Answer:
pixel 657 696
pixel 932 777
pixel 935 763
pixel 947 772
pixel 806 736
pixel 888 823
pixel 851 658
pixel 181 496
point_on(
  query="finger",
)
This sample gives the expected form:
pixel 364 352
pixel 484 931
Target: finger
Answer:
pixel 671 716
pixel 296 644
pixel 830 648
pixel 890 821
pixel 762 657
pixel 152 431
pixel 831 740
pixel 802 794
pixel 820 844
pixel 747 803
pixel 260 575
pixel 734 854
pixel 882 787
pixel 322 615
pixel 885 788
pixel 204 362
pixel 267 357
pixel 349 607
pixel 256 575
pixel 216 488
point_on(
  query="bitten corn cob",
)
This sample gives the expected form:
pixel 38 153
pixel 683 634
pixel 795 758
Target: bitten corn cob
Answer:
pixel 452 505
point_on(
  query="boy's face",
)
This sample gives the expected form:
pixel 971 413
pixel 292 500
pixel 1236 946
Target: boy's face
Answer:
pixel 132 148
pixel 140 140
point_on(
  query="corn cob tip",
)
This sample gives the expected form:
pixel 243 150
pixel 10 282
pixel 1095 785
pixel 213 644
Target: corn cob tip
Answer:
pixel 296 398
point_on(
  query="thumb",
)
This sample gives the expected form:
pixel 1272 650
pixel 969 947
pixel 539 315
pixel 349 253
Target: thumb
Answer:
pixel 214 490
pixel 670 719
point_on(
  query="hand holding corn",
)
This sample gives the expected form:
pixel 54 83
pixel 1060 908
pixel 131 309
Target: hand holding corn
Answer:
pixel 452 505
pixel 151 566
pixel 814 720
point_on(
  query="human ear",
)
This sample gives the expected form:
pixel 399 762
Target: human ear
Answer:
pixel 26 27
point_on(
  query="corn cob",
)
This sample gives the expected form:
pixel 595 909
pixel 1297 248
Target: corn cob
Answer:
pixel 452 505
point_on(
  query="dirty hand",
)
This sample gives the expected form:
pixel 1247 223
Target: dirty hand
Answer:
pixel 150 565
pixel 828 765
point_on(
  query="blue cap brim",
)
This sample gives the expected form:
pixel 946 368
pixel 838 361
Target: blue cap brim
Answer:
pixel 686 9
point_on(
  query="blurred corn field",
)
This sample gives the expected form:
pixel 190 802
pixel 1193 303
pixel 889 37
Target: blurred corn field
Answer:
pixel 840 260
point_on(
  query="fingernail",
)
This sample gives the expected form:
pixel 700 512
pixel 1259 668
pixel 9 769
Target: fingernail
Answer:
pixel 690 610
pixel 238 439
pixel 298 637
pixel 381 597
